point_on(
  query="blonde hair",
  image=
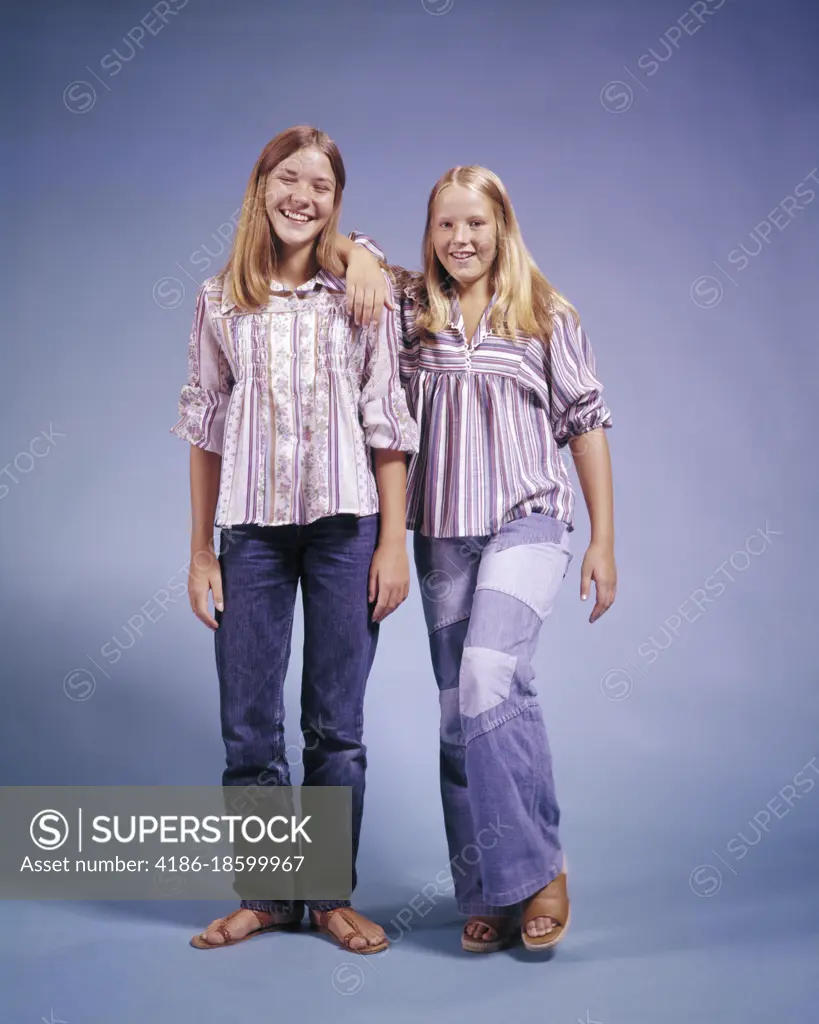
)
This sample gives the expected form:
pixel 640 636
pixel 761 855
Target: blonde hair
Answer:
pixel 252 262
pixel 525 298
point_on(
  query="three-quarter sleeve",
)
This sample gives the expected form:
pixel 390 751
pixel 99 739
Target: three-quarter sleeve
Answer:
pixel 385 417
pixel 577 399
pixel 204 400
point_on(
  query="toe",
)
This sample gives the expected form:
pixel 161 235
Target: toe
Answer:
pixel 540 926
pixel 373 934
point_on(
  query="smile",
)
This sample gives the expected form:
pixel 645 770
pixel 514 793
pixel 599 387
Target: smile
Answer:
pixel 462 257
pixel 299 218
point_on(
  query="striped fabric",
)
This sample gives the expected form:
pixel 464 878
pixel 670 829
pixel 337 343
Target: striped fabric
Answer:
pixel 292 397
pixel 489 450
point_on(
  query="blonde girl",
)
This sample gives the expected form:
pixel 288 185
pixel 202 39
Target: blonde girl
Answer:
pixel 500 376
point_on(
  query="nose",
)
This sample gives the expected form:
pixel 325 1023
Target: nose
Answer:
pixel 297 195
pixel 460 234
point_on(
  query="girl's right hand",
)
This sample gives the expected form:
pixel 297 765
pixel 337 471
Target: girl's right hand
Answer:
pixel 205 576
pixel 368 290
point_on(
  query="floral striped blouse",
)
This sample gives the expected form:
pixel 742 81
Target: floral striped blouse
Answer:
pixel 292 396
pixel 489 438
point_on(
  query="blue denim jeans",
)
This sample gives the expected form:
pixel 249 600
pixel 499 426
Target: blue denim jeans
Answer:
pixel 485 599
pixel 262 567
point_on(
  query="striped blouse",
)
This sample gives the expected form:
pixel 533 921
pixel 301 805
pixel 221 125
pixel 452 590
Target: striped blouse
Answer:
pixel 489 440
pixel 292 396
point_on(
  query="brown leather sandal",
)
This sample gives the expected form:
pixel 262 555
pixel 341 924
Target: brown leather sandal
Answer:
pixel 504 929
pixel 268 922
pixel 320 920
pixel 552 901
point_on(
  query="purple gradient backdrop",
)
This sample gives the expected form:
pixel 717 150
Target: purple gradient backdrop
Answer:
pixel 661 169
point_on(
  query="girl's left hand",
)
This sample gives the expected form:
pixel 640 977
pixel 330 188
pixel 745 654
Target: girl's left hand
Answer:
pixel 367 291
pixel 598 565
pixel 389 579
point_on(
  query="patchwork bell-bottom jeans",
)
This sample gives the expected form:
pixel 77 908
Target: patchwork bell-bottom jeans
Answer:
pixel 262 567
pixel 485 599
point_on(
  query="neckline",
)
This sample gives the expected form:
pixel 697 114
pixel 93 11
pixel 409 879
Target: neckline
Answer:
pixel 456 322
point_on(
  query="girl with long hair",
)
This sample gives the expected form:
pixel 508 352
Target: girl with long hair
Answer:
pixel 299 430
pixel 500 376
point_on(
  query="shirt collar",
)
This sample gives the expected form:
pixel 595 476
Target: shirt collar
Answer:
pixel 456 319
pixel 323 279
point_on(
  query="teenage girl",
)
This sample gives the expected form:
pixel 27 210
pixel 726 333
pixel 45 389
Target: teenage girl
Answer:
pixel 286 401
pixel 500 376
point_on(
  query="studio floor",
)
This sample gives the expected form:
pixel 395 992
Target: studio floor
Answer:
pixel 650 952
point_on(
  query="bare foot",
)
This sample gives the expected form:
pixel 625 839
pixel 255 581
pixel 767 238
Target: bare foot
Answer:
pixel 238 924
pixel 541 926
pixel 372 933
pixel 539 922
pixel 486 928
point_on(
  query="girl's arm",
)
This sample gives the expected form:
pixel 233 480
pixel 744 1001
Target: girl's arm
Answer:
pixel 367 286
pixel 391 432
pixel 389 569
pixel 203 404
pixel 592 461
pixel 579 419
pixel 205 574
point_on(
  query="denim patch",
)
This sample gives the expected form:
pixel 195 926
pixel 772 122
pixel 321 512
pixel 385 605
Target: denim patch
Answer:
pixel 531 572
pixel 486 677
pixel 450 716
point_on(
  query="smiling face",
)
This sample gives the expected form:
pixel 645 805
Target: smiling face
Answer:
pixel 464 233
pixel 300 196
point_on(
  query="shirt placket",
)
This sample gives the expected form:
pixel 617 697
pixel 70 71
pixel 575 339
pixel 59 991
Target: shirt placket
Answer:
pixel 282 390
pixel 457 324
pixel 304 397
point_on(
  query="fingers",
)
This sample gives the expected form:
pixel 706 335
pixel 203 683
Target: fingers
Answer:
pixel 216 588
pixel 358 305
pixel 379 610
pixel 390 596
pixel 364 303
pixel 369 306
pixel 199 604
pixel 605 599
pixel 384 604
pixel 372 586
pixel 354 301
pixel 585 583
pixel 198 590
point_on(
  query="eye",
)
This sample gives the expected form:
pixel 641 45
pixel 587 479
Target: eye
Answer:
pixel 445 224
pixel 322 188
pixel 477 223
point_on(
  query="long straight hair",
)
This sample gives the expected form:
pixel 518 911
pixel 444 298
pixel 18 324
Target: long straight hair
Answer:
pixel 253 262
pixel 526 300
